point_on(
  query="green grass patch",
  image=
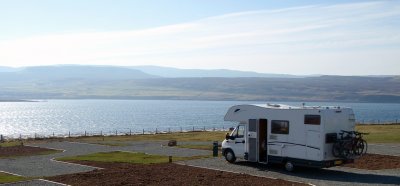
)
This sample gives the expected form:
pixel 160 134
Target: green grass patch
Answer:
pixel 126 157
pixel 9 178
pixel 184 136
pixel 380 133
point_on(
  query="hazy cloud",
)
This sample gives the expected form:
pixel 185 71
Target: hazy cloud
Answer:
pixel 317 39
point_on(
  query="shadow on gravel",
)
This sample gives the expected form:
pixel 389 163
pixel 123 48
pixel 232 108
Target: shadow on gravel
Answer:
pixel 326 174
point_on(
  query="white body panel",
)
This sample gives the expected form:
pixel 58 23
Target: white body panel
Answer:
pixel 303 141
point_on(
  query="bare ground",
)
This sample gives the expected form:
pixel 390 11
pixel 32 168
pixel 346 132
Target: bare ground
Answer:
pixel 376 162
pixel 161 174
pixel 21 150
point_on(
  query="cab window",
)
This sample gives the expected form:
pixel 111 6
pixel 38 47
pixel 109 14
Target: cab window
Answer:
pixel 238 132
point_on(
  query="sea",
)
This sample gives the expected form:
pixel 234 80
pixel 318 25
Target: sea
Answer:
pixel 75 117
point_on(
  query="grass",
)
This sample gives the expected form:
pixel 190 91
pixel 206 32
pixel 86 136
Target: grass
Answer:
pixel 185 136
pixel 9 178
pixel 380 133
pixel 126 157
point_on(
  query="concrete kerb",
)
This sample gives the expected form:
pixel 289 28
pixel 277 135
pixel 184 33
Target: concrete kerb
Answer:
pixel 26 182
pixel 53 182
pixel 63 150
pixel 69 163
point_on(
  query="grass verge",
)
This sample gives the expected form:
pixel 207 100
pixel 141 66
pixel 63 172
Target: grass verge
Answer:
pixel 185 136
pixel 9 178
pixel 127 157
pixel 380 133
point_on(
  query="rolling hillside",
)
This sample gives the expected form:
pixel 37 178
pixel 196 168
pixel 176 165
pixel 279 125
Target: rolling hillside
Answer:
pixel 88 82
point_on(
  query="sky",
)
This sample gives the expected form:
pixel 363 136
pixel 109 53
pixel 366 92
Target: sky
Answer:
pixel 285 37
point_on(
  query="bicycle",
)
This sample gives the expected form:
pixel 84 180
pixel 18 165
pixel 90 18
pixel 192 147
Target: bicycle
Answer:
pixel 349 144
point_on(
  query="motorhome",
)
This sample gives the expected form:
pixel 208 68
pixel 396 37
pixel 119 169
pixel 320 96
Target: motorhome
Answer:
pixel 294 136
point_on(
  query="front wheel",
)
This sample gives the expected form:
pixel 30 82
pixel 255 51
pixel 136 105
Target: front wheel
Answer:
pixel 230 156
pixel 289 166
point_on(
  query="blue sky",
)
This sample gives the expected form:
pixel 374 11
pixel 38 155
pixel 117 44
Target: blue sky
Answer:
pixel 295 37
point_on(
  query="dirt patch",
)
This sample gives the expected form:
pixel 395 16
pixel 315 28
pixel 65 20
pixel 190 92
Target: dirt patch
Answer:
pixel 376 162
pixel 160 174
pixel 23 151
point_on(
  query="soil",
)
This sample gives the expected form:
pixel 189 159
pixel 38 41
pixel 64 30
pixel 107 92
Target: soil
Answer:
pixel 160 174
pixel 21 150
pixel 376 162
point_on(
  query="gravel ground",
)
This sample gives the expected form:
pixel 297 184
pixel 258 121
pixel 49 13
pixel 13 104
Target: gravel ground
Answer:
pixel 331 176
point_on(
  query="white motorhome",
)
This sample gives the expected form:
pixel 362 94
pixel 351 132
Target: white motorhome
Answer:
pixel 294 136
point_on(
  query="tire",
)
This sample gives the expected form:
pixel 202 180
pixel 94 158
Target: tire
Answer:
pixel 365 147
pixel 289 166
pixel 230 156
pixel 360 147
pixel 336 150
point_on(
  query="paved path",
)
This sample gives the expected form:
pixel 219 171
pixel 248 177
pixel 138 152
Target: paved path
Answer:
pixel 388 149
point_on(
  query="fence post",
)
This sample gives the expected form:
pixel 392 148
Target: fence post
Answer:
pixel 1 138
pixel 143 131
pixel 181 129
pixel 156 131
pixel 193 128
pixel 169 130
pixel 20 137
pixel 85 133
pixel 130 132
pixel 35 136
pixel 101 133
pixel 53 134
pixel 69 134
pixel 116 132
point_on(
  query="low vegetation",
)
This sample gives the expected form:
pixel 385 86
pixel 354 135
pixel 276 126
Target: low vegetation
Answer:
pixel 185 136
pixel 126 157
pixel 380 133
pixel 9 178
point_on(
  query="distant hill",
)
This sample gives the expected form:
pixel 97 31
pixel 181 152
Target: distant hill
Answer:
pixel 109 82
pixel 63 72
pixel 178 73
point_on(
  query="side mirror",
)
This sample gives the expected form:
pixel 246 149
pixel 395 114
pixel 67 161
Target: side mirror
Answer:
pixel 228 137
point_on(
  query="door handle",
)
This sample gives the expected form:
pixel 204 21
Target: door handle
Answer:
pixel 239 142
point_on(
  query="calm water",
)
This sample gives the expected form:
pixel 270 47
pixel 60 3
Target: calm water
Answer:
pixel 62 116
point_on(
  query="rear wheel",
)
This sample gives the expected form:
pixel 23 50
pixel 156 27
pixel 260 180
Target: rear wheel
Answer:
pixel 230 156
pixel 336 150
pixel 289 166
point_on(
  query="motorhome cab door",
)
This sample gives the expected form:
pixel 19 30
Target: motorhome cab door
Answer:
pixel 237 141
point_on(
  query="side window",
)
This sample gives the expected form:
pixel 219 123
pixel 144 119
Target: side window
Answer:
pixel 312 119
pixel 279 127
pixel 240 131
